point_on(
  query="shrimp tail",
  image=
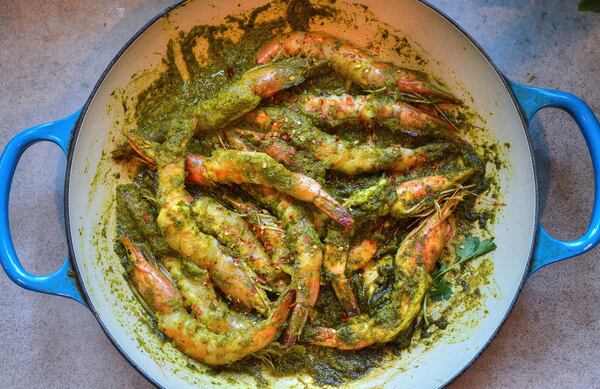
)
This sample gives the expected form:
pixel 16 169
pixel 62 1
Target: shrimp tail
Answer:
pixel 196 171
pixel 321 336
pixel 145 149
pixel 282 310
pixel 153 285
pixel 345 295
pixel 330 207
pixel 297 322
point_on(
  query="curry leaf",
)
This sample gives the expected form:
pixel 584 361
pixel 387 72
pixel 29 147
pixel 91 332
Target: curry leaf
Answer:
pixel 589 5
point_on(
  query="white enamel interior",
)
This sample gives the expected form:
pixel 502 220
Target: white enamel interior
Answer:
pixel 460 64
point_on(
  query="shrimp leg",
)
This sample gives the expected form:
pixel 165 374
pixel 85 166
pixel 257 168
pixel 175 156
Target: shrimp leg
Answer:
pixel 416 196
pixel 352 63
pixel 188 334
pixel 335 257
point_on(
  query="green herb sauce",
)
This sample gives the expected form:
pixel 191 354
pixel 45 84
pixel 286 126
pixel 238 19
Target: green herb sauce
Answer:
pixel 172 96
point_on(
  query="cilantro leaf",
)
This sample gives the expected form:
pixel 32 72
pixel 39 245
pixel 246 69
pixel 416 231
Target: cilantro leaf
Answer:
pixel 472 247
pixel 440 272
pixel 469 248
pixel 441 290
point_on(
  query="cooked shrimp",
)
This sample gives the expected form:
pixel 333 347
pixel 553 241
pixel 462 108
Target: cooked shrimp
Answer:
pixel 284 125
pixel 237 167
pixel 232 276
pixel 375 108
pixel 242 96
pixel 415 258
pixel 407 199
pixel 415 196
pixel 335 256
pixel 307 250
pixel 188 334
pixel 200 298
pixel 352 63
pixel 373 201
pixel 232 231
pixel 266 228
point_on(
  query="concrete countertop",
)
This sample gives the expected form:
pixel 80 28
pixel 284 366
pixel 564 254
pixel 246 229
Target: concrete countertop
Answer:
pixel 51 54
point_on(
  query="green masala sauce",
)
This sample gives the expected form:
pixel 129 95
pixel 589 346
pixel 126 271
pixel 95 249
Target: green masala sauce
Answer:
pixel 201 62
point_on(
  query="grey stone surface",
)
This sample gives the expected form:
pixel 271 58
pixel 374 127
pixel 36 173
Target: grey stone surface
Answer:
pixel 51 54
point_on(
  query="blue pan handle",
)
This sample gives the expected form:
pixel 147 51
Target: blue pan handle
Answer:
pixel 62 282
pixel 548 249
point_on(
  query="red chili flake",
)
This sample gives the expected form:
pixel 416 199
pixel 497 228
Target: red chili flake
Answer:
pixel 344 316
pixel 229 72
pixel 378 50
pixel 146 217
pixel 261 279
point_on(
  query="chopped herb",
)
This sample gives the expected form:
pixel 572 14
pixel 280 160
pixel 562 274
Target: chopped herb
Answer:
pixel 469 248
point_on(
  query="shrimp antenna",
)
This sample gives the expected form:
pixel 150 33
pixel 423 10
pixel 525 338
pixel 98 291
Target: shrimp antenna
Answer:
pixel 439 111
pixel 483 198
